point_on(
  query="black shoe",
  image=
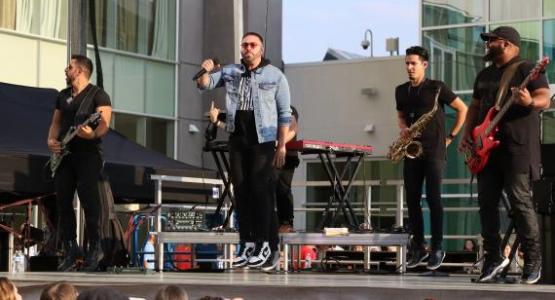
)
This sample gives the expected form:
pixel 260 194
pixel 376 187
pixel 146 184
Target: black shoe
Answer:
pixel 531 273
pixel 417 257
pixel 492 268
pixel 243 258
pixel 271 263
pixel 94 256
pixel 71 251
pixel 435 260
pixel 260 256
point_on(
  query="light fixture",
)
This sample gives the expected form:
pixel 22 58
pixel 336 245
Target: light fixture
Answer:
pixel 369 128
pixel 392 45
pixel 369 92
pixel 193 129
pixel 368 43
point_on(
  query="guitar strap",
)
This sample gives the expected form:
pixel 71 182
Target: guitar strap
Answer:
pixel 504 83
pixel 86 106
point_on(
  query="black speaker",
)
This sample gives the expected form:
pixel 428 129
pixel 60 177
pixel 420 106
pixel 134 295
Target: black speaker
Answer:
pixel 547 230
pixel 44 263
pixel 544 195
pixel 4 250
pixel 548 160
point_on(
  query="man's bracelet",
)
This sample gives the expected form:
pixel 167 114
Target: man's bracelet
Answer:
pixel 451 136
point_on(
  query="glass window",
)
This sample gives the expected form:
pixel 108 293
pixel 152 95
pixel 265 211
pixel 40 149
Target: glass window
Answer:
pixel 549 8
pixel 160 89
pixel 449 12
pixel 128 126
pixel 159 135
pixel 549 47
pixel 455 55
pixel 130 80
pixel 45 18
pixel 144 27
pixel 514 9
pixel 529 38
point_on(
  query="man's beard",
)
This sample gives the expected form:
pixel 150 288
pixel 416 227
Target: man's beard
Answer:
pixel 492 53
pixel 68 80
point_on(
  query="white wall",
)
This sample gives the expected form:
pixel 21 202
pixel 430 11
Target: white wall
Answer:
pixel 332 106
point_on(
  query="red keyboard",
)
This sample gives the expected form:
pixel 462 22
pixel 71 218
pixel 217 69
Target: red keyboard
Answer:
pixel 323 146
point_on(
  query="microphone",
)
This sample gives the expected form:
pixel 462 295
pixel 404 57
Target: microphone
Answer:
pixel 203 70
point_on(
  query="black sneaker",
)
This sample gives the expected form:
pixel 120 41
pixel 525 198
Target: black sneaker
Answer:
pixel 417 257
pixel 260 256
pixel 246 253
pixel 492 268
pixel 435 260
pixel 531 273
pixel 271 263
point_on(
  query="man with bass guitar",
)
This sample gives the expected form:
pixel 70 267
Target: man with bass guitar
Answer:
pixel 501 141
pixel 79 162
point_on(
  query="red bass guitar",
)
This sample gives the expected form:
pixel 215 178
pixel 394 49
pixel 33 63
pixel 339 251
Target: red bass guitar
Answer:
pixel 483 135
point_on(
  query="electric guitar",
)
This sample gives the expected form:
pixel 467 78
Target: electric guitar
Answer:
pixel 483 136
pixel 56 158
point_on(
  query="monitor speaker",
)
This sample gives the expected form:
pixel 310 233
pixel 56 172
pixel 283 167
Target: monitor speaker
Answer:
pixel 548 160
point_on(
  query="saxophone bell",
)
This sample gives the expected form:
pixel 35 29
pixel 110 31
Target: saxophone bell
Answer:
pixel 413 149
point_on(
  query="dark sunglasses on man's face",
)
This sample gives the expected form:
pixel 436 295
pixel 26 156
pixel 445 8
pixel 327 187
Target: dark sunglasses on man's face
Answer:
pixel 493 40
pixel 246 45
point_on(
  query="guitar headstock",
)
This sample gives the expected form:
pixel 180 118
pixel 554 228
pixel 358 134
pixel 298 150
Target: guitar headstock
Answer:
pixel 539 68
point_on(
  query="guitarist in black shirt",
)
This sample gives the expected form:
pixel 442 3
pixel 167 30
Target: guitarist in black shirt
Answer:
pixel 514 164
pixel 80 169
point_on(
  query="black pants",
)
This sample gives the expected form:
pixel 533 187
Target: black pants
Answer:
pixel 415 171
pixel 284 197
pixel 252 175
pixel 79 171
pixel 496 177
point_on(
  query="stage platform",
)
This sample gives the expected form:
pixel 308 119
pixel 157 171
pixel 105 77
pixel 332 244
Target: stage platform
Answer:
pixel 253 284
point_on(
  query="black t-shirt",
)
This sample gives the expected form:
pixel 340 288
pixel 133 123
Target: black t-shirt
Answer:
pixel 519 129
pixel 415 101
pixel 69 107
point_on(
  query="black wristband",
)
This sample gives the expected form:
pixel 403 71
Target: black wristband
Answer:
pixel 451 136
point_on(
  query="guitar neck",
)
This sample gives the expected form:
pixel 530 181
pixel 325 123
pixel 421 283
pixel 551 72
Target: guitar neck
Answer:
pixel 68 137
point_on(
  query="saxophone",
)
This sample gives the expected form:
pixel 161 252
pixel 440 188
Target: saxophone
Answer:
pixel 407 145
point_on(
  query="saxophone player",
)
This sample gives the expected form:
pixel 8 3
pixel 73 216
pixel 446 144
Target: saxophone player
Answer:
pixel 416 98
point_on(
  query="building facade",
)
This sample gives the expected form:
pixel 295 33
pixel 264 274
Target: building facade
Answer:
pixel 149 49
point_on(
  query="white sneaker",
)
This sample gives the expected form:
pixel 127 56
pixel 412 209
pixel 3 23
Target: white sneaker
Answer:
pixel 260 255
pixel 243 258
pixel 271 263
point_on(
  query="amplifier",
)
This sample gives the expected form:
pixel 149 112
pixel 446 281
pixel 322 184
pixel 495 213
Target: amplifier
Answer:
pixel 544 196
pixel 185 220
pixel 44 263
pixel 548 160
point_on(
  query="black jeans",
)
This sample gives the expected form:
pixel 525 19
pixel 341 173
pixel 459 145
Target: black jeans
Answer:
pixel 252 175
pixel 415 171
pixel 284 197
pixel 79 171
pixel 496 177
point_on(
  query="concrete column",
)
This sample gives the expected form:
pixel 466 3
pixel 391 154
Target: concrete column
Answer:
pixel 78 17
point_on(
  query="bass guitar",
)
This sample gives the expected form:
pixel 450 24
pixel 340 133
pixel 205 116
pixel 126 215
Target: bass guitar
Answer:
pixel 483 136
pixel 56 158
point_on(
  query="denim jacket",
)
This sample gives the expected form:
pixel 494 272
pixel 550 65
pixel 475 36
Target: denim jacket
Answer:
pixel 269 92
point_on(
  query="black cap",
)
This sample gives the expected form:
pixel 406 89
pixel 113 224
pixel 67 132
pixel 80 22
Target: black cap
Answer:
pixel 503 32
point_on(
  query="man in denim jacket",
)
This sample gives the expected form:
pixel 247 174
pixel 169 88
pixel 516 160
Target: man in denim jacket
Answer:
pixel 258 115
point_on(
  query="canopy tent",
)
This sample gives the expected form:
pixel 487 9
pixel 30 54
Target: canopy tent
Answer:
pixel 26 115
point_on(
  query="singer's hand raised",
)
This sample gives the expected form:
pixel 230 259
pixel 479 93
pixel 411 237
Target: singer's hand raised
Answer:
pixel 208 65
pixel 214 112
